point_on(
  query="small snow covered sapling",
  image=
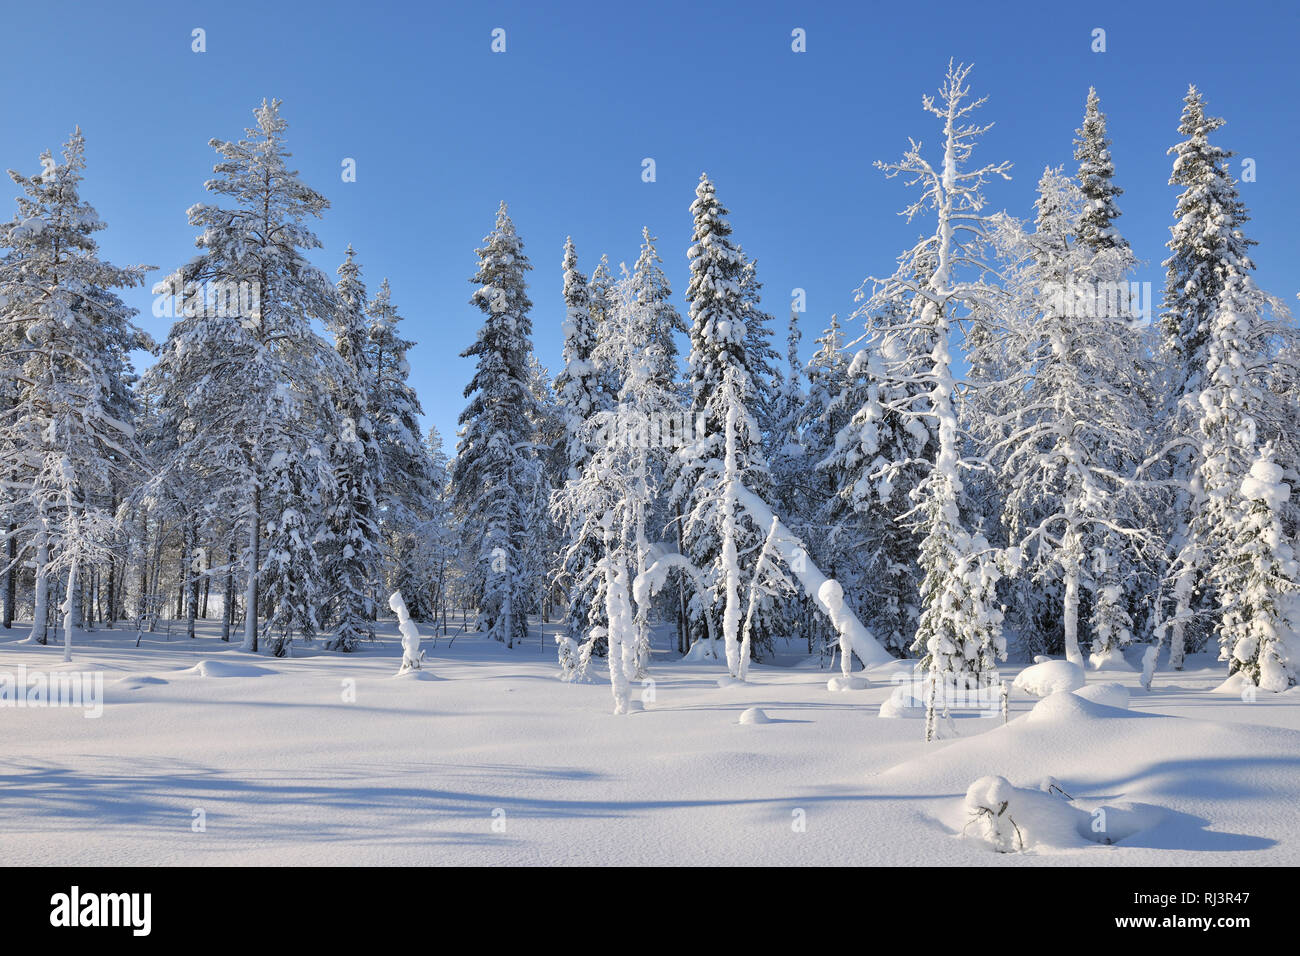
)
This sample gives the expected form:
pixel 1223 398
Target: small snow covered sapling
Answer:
pixel 411 653
pixel 988 801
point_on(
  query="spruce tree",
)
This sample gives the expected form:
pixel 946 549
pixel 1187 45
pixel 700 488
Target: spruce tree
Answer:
pixel 495 470
pixel 578 393
pixel 355 545
pixel 1206 247
pixel 719 336
pixel 1097 180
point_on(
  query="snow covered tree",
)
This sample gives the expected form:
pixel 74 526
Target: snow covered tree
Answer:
pixel 580 396
pixel 246 374
pixel 600 297
pixel 959 631
pixel 292 577
pixel 788 451
pixel 542 546
pixel 1068 446
pixel 719 336
pixel 1260 583
pixel 1242 497
pixel 355 544
pixel 403 493
pixel 612 499
pixel 1097 180
pixel 761 358
pixel 658 318
pixel 66 426
pixel 425 558
pixel 495 467
pixel 874 452
pixel 1206 248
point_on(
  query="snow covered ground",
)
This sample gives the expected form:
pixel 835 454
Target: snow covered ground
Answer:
pixel 204 755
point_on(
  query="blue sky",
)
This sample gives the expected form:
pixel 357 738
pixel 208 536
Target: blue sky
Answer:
pixel 442 129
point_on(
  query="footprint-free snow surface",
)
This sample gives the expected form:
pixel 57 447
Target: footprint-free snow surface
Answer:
pixel 204 754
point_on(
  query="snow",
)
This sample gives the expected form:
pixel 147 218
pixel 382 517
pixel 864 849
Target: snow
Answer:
pixel 1264 483
pixel 840 682
pixel 1049 676
pixel 1110 695
pixel 901 704
pixel 754 715
pixel 410 633
pixel 218 668
pixel 325 753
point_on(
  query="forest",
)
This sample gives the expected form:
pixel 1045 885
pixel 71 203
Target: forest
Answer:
pixel 1008 449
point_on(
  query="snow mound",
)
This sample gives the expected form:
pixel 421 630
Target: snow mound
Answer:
pixel 704 650
pixel 1112 660
pixel 136 681
pixel 1066 707
pixel 1109 695
pixel 1013 819
pixel 1049 676
pixel 416 674
pixel 755 715
pixel 840 682
pixel 1235 685
pixel 902 705
pixel 1239 685
pixel 226 669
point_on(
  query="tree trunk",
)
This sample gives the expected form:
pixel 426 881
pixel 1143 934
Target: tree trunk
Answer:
pixel 69 611
pixel 228 602
pixel 41 591
pixel 192 582
pixel 11 576
pixel 250 592
pixel 111 596
pixel 1070 613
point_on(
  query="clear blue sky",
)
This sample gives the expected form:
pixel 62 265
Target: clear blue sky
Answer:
pixel 442 129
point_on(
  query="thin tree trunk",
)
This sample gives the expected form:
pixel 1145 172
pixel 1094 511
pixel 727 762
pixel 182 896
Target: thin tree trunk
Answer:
pixel 228 608
pixel 69 611
pixel 142 599
pixel 250 593
pixel 182 579
pixel 11 576
pixel 192 580
pixel 111 594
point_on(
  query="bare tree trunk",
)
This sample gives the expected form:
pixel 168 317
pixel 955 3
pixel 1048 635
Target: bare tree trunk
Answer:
pixel 250 593
pixel 228 609
pixel 190 581
pixel 41 590
pixel 111 596
pixel 11 575
pixel 69 610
